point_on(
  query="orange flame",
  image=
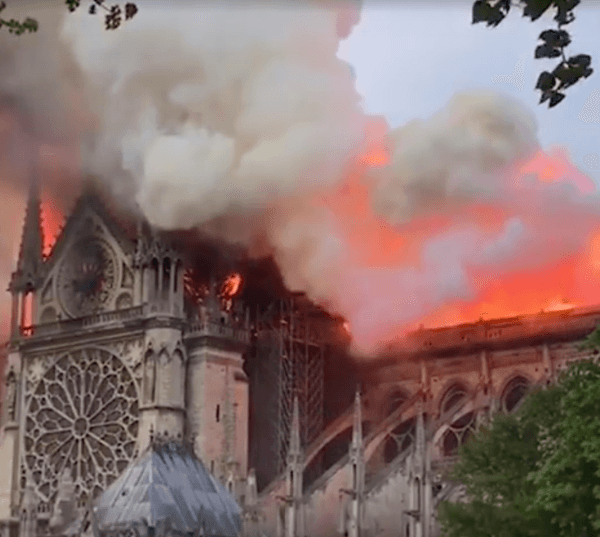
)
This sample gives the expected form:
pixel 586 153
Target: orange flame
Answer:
pixel 231 285
pixel 372 243
pixel 52 221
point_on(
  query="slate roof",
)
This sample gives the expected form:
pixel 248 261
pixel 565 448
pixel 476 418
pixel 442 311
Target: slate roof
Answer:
pixel 167 488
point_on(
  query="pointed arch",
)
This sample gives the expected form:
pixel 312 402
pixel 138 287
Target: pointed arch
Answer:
pixel 178 274
pixel 150 375
pixel 165 378
pixel 514 390
pixel 155 276
pixel 10 397
pixel 178 369
pixel 166 277
pixel 454 394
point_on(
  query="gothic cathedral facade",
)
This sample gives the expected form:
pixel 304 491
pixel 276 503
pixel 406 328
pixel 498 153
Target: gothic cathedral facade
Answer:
pixel 102 357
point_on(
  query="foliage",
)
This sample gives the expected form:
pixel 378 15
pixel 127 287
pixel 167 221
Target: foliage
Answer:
pixel 113 16
pixel 592 341
pixel 570 70
pixel 535 472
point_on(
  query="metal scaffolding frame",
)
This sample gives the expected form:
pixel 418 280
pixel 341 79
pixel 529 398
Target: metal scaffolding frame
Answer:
pixel 296 331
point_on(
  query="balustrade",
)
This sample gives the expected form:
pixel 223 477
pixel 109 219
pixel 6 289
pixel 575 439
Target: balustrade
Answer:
pixel 195 328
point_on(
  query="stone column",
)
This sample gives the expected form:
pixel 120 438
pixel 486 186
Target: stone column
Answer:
pixel 549 373
pixel 14 315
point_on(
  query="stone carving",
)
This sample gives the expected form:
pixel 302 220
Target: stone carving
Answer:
pixel 34 370
pixel 165 379
pixel 130 351
pixel 124 301
pixel 127 280
pixel 150 367
pixel 11 396
pixel 83 415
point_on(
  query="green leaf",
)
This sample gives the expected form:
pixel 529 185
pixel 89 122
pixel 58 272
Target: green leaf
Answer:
pixel 544 51
pixel 546 81
pixel 555 38
pixel 130 10
pixel 534 9
pixel 481 11
pixel 72 4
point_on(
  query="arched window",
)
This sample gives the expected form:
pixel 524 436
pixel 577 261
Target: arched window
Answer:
pixel 458 433
pixel 514 392
pixel 149 378
pixel 166 286
pixel 177 276
pixel 156 274
pixel 178 378
pixel 399 440
pixel 165 378
pixel 454 397
pixel 27 307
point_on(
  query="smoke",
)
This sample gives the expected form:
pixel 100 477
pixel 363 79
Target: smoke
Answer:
pixel 454 156
pixel 44 109
pixel 242 122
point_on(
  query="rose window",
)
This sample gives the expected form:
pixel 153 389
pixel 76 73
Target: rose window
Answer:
pixel 82 416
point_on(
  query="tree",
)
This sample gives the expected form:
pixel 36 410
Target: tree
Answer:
pixel 113 16
pixel 553 42
pixel 536 472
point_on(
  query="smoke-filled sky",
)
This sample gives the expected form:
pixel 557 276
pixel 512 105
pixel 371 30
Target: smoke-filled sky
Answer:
pixel 247 122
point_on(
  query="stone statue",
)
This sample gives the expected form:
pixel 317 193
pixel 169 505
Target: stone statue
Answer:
pixel 11 396
pixel 150 378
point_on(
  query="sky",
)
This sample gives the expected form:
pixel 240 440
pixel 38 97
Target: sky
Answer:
pixel 410 58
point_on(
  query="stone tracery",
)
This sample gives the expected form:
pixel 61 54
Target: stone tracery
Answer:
pixel 83 415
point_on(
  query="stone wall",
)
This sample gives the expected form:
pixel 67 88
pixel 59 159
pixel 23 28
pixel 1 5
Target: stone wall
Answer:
pixel 480 381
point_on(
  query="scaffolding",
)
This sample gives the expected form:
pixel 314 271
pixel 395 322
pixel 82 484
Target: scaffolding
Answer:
pixel 296 332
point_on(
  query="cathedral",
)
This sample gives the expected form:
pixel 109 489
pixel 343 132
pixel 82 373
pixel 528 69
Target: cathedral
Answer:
pixel 121 365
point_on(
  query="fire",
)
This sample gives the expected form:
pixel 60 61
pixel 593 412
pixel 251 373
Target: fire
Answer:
pixel 231 285
pixel 554 167
pixel 52 221
pixel 372 243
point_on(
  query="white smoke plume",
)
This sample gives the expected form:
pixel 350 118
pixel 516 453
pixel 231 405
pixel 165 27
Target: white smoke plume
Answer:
pixel 455 155
pixel 215 110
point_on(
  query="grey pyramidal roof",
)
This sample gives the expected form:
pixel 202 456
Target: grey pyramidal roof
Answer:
pixel 168 487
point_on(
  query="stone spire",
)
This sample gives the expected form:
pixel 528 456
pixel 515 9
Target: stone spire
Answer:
pixel 294 450
pixel 420 445
pixel 356 447
pixel 294 517
pixel 354 507
pixel 31 252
